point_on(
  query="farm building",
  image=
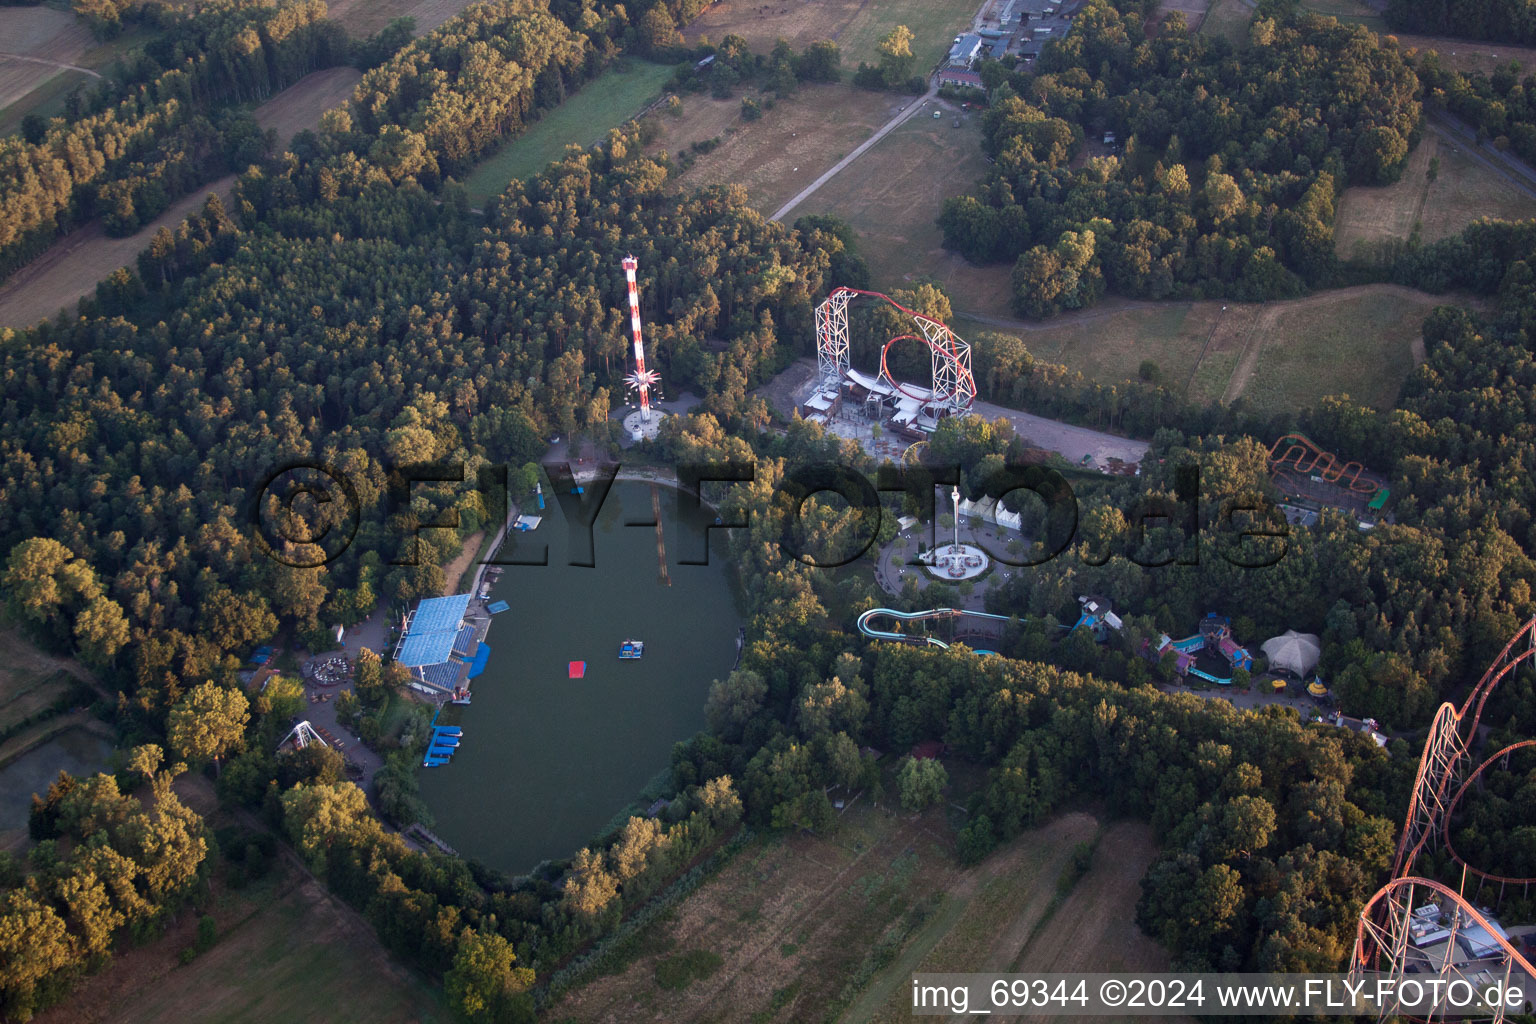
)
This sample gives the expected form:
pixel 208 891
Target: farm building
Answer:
pixel 965 50
pixel 960 76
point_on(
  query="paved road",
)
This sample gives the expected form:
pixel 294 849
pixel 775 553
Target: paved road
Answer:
pixel 1069 441
pixel 860 150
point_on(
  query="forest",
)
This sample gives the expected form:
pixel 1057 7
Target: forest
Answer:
pixel 1494 105
pixel 1231 164
pixel 349 309
pixel 1504 21
pixel 129 148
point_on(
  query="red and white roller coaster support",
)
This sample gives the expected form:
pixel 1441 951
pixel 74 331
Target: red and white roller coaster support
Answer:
pixel 954 387
pixel 1383 939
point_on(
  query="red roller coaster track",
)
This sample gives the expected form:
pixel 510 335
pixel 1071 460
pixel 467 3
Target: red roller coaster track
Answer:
pixel 954 386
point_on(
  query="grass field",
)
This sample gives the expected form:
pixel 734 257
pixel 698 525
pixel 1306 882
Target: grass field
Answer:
pixel 287 951
pixel 855 25
pixel 1463 191
pixel 1361 342
pixel 789 147
pixel 832 927
pixel 583 119
pixel 1280 356
pixel 1469 54
pixel 362 18
pixel 1353 12
pixel 1229 19
pixel 893 193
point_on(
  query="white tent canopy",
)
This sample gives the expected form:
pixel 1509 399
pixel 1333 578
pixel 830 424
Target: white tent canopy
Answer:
pixel 1292 652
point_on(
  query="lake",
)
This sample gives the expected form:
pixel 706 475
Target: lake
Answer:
pixel 546 760
pixel 76 751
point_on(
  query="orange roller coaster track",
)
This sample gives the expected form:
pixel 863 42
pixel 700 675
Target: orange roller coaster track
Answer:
pixel 1307 457
pixel 1383 936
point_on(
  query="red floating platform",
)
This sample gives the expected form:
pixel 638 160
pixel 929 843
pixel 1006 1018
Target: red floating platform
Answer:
pixel 577 669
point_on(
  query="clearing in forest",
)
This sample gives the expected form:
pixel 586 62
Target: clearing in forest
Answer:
pixel 582 120
pixel 30 680
pixel 1279 356
pixel 287 950
pixel 73 266
pixel 1463 190
pixel 782 152
pixel 362 18
pixel 892 196
pixel 805 927
pixel 856 26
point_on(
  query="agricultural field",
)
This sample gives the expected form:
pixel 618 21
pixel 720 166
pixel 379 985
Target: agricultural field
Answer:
pixel 48 53
pixel 1280 356
pixel 1350 12
pixel 30 681
pixel 287 950
pixel 1030 917
pixel 76 263
pixel 854 25
pixel 802 927
pixel 785 150
pixel 1229 19
pixel 892 195
pixel 583 119
pixel 1464 189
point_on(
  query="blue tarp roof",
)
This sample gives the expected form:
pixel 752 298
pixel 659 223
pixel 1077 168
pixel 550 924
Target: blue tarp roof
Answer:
pixel 481 657
pixel 433 631
pixel 442 677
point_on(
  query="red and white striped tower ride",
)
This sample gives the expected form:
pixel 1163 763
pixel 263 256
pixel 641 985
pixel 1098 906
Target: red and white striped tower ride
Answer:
pixel 641 380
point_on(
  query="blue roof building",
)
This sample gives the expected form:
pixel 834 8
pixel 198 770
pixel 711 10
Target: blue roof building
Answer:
pixel 430 634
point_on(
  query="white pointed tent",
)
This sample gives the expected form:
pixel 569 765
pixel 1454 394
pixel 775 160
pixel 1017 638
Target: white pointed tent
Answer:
pixel 1292 652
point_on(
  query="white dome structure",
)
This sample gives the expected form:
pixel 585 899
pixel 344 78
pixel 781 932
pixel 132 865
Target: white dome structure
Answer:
pixel 1292 652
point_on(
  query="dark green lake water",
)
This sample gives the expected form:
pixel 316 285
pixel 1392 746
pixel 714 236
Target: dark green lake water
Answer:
pixel 547 760
pixel 76 751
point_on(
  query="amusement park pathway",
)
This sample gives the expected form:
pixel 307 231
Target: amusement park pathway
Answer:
pixel 858 151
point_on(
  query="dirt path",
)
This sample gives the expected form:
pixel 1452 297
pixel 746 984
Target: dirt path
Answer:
pixel 60 65
pixel 860 150
pixel 1267 315
pixel 39 43
pixel 454 570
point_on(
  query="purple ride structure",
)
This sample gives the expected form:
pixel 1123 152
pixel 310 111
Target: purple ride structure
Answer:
pixel 1390 924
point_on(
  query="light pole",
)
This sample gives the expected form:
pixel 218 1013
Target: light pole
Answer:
pixel 954 497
